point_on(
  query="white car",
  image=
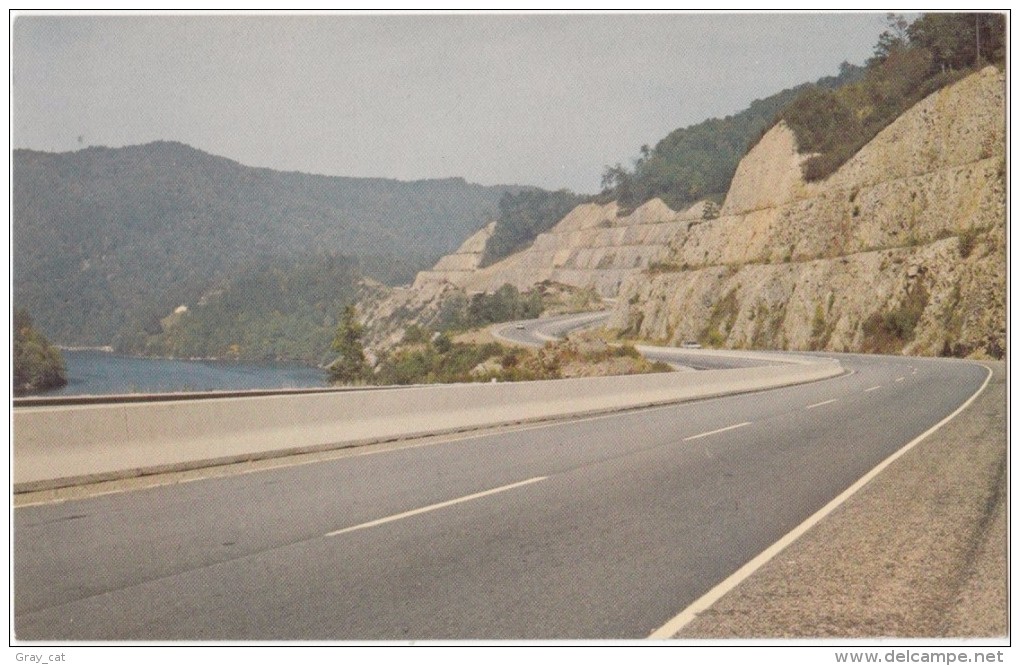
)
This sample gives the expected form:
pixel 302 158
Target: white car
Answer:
pixel 690 345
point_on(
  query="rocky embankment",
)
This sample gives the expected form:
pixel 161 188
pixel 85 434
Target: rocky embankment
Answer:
pixel 592 246
pixel 903 249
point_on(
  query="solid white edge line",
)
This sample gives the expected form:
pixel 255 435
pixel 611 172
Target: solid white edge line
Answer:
pixel 819 404
pixel 715 432
pixel 433 507
pixel 704 602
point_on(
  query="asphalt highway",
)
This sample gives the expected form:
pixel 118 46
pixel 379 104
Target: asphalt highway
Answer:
pixel 603 527
pixel 537 332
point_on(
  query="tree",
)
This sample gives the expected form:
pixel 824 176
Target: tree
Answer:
pixel 523 216
pixel 350 366
pixel 957 41
pixel 892 40
pixel 38 365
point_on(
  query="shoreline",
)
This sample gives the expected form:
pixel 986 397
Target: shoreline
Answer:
pixel 112 352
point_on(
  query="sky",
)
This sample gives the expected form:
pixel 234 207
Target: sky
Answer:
pixel 546 100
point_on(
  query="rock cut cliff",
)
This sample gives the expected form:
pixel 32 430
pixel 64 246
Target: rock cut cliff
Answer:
pixel 903 249
pixel 594 245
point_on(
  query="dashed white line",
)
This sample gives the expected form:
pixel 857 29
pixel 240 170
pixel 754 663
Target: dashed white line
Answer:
pixel 684 618
pixel 873 388
pixel 819 404
pixel 899 379
pixel 715 432
pixel 433 507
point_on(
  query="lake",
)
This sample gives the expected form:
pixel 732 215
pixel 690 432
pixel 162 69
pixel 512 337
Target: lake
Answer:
pixel 102 373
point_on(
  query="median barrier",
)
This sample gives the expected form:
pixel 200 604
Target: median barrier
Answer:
pixel 65 445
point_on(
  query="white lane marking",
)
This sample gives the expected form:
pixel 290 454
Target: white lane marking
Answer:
pixel 703 603
pixel 873 388
pixel 440 505
pixel 899 379
pixel 301 459
pixel 715 432
pixel 819 404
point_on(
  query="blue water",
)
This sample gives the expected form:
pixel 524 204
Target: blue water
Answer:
pixel 101 373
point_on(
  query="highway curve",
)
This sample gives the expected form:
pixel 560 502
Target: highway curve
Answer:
pixel 602 527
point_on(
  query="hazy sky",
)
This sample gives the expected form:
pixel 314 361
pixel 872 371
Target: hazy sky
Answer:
pixel 538 100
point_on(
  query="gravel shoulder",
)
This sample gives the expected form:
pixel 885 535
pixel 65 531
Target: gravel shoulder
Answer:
pixel 920 551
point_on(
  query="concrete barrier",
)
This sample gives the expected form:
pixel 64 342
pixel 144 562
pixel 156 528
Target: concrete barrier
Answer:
pixel 58 446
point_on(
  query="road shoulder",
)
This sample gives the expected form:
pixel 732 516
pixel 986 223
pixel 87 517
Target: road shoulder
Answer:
pixel 920 551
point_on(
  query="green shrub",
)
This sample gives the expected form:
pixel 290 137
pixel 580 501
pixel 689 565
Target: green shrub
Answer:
pixel 712 338
pixel 625 351
pixel 888 332
pixel 37 365
pixel 415 334
pixel 967 241
pixel 720 321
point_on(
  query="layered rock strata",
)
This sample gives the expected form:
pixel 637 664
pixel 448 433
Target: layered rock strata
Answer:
pixel 903 249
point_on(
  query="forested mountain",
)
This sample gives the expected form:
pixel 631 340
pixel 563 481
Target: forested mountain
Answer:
pixel 695 162
pixel 270 309
pixel 105 240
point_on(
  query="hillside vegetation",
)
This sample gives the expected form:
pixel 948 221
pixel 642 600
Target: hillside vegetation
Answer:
pixel 698 162
pixel 38 365
pixel 523 216
pixel 690 164
pixel 272 309
pixel 107 238
pixel 437 359
pixel 911 61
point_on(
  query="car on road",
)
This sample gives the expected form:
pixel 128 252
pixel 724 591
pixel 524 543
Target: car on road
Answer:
pixel 519 327
pixel 690 345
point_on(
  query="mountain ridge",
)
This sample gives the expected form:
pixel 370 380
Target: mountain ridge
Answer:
pixel 188 148
pixel 107 239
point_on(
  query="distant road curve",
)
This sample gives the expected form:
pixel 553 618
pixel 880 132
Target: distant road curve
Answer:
pixel 537 332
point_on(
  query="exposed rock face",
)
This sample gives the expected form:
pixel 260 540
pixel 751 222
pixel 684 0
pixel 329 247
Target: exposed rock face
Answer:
pixel 902 249
pixel 460 264
pixel 592 246
pixel 767 176
pixel 909 234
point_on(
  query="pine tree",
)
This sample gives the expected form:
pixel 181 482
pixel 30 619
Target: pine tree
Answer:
pixel 350 366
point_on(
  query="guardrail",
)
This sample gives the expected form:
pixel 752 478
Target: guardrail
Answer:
pixel 119 398
pixel 64 445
